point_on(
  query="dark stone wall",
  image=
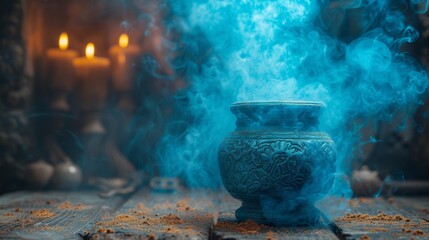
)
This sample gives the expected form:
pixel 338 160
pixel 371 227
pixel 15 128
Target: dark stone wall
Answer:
pixel 15 93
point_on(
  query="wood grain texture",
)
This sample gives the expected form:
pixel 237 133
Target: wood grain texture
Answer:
pixel 227 220
pixel 185 214
pixel 384 221
pixel 49 215
pixel 418 206
pixel 182 214
pixel 268 232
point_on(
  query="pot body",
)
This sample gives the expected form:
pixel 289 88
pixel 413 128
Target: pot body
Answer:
pixel 277 162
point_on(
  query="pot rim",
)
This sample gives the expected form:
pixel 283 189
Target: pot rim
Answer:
pixel 279 103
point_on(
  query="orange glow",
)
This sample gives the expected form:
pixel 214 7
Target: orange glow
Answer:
pixel 63 41
pixel 123 40
pixel 121 58
pixel 90 51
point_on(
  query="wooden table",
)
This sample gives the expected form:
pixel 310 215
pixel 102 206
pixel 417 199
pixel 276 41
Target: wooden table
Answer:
pixel 186 214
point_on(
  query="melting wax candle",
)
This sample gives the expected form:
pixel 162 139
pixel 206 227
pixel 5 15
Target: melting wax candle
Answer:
pixel 59 69
pixel 124 57
pixel 92 75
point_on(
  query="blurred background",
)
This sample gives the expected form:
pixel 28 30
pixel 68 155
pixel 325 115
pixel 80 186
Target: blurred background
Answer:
pixel 69 116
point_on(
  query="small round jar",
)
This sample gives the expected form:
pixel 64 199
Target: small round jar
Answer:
pixel 277 162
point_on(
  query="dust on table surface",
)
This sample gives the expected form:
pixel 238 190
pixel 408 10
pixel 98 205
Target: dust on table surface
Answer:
pixel 42 213
pixel 69 206
pixel 185 216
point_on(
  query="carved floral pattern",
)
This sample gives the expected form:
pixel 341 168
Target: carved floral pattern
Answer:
pixel 261 165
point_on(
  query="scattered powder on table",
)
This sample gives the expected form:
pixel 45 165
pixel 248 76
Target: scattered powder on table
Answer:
pixel 203 218
pixel 17 209
pixel 271 236
pixel 365 200
pixel 52 228
pixel 169 224
pixel 125 218
pixel 377 229
pixel 141 207
pixel 418 232
pixel 183 205
pixel 139 213
pixel 379 217
pixel 365 237
pixel 79 206
pixel 180 231
pixel 105 230
pixel 171 219
pixel 8 214
pixel 65 205
pixel 68 205
pixel 42 213
pixel 247 227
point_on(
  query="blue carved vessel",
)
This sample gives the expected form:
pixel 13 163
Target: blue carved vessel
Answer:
pixel 277 162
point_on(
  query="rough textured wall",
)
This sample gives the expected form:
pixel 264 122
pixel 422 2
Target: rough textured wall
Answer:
pixel 15 92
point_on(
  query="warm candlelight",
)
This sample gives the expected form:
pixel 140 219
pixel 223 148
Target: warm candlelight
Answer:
pixel 90 61
pixel 63 42
pixel 90 51
pixel 123 40
pixel 124 58
pixel 92 73
pixel 59 69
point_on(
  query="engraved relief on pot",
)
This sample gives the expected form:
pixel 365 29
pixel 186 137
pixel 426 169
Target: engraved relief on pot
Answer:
pixel 267 164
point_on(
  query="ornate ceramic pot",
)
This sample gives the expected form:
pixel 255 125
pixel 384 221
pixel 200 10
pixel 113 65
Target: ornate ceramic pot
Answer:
pixel 277 162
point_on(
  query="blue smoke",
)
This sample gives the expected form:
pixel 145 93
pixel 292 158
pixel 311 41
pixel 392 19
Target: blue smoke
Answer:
pixel 232 51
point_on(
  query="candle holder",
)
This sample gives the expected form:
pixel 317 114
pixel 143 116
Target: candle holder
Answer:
pixel 101 157
pixel 119 134
pixel 59 73
pixel 92 76
pixel 124 57
pixel 91 96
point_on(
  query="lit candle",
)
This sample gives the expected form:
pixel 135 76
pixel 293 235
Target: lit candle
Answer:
pixel 124 57
pixel 59 65
pixel 92 75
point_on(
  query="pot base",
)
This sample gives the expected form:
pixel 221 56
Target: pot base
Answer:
pixel 300 215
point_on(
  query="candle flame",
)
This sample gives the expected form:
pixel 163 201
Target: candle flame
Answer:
pixel 63 41
pixel 123 40
pixel 90 51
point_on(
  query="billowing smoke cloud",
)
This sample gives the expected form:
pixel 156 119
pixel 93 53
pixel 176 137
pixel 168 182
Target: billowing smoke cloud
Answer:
pixel 246 50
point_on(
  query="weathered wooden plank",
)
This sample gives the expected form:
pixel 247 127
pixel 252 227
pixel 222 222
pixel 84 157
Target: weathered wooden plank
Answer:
pixel 378 219
pixel 48 215
pixel 182 214
pixel 228 228
pixel 190 215
pixel 418 206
